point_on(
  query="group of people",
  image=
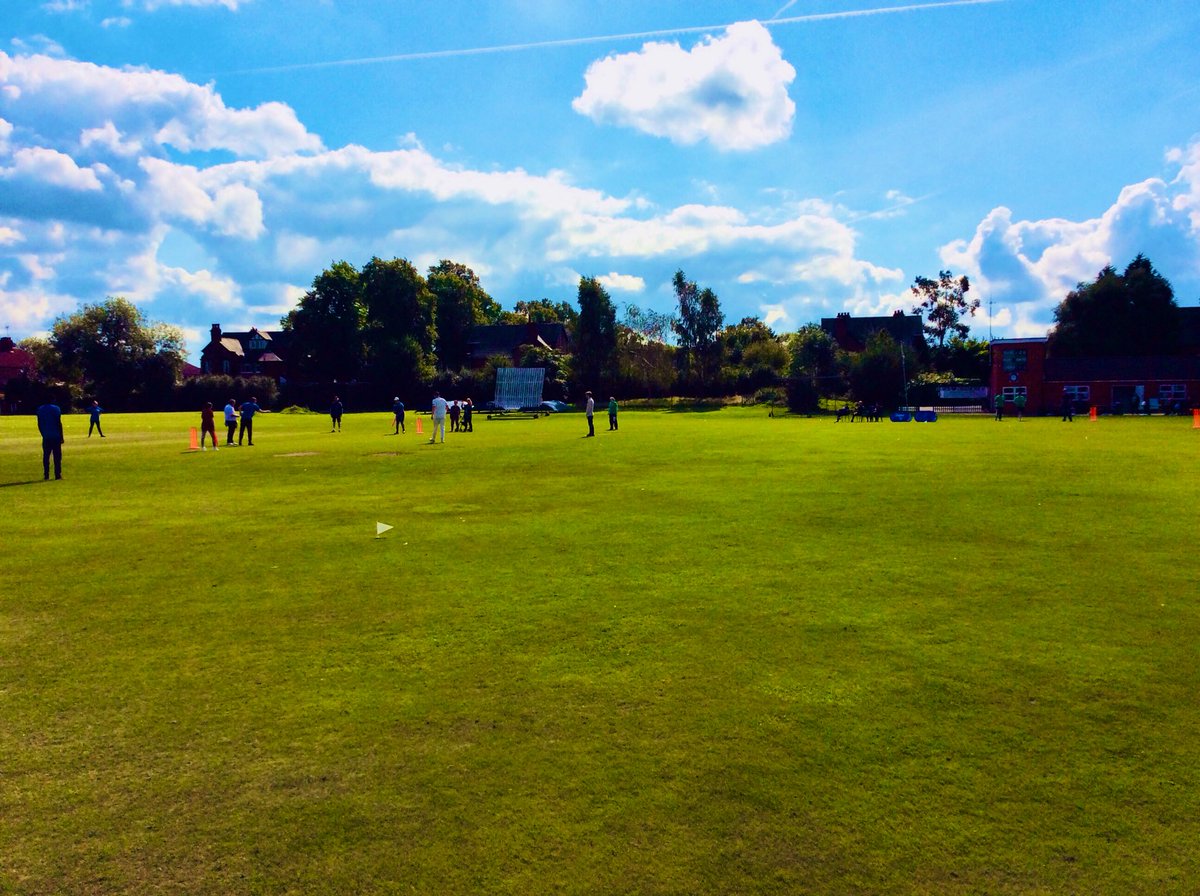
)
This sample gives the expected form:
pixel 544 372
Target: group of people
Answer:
pixel 872 413
pixel 590 409
pixel 233 414
pixel 461 414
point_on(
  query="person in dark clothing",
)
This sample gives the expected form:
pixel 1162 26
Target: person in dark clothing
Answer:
pixel 468 409
pixel 335 414
pixel 398 415
pixel 455 413
pixel 94 420
pixel 1068 409
pixel 249 409
pixel 49 420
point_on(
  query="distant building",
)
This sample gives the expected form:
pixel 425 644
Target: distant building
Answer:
pixel 510 339
pixel 1162 382
pixel 15 364
pixel 852 333
pixel 251 353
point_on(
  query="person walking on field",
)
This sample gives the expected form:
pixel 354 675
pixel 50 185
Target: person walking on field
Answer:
pixel 231 421
pixel 468 410
pixel 249 409
pixel 335 414
pixel 95 411
pixel 455 413
pixel 612 414
pixel 397 415
pixel 49 420
pixel 1068 408
pixel 1019 401
pixel 207 425
pixel 998 401
pixel 590 408
pixel 439 418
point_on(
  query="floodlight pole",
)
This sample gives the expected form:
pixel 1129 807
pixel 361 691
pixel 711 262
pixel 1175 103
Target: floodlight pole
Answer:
pixel 904 375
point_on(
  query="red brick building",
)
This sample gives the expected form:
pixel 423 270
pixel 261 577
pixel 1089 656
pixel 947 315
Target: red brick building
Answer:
pixel 251 353
pixel 1158 383
pixel 15 364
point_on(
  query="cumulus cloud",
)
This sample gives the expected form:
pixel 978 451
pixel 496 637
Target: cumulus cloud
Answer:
pixel 1027 267
pixel 152 5
pixel 51 167
pixel 731 91
pixel 615 282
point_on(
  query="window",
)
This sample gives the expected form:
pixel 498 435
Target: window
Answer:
pixel 224 367
pixel 1014 359
pixel 1172 392
pixel 1077 393
pixel 1011 392
pixel 256 344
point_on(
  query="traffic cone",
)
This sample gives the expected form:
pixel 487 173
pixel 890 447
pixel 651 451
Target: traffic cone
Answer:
pixel 1195 418
pixel 195 442
pixel 420 431
pixel 1092 413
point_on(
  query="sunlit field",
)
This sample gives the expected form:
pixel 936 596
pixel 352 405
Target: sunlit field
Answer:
pixel 710 653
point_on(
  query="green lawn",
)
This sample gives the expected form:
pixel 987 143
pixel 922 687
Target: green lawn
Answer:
pixel 712 653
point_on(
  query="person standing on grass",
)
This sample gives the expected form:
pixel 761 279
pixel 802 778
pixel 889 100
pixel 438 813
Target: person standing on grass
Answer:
pixel 49 420
pixel 589 409
pixel 455 413
pixel 1019 401
pixel 1068 408
pixel 612 414
pixel 468 409
pixel 439 418
pixel 249 409
pixel 230 421
pixel 94 422
pixel 397 415
pixel 335 414
pixel 207 425
pixel 998 401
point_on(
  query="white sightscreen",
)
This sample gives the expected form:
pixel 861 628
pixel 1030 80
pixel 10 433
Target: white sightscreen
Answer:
pixel 519 387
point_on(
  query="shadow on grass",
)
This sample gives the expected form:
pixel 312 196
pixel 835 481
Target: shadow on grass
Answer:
pixel 702 407
pixel 26 482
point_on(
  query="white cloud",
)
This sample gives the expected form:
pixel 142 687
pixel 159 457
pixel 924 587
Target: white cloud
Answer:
pixel 6 130
pixel 109 138
pixel 116 22
pixel 186 192
pixel 1027 267
pixel 9 236
pixel 49 166
pixel 730 91
pixel 152 5
pixel 621 282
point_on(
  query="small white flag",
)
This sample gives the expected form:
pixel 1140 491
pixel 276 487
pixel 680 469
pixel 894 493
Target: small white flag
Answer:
pixel 380 528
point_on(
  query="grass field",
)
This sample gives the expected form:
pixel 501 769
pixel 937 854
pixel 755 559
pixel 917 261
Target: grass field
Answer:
pixel 713 653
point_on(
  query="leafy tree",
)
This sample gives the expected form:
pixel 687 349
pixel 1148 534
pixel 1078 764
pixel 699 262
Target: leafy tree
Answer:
pixel 814 368
pixel 595 336
pixel 696 325
pixel 461 304
pixel 541 311
pixel 944 302
pixel 400 331
pixel 1133 313
pixel 45 356
pixel 117 355
pixel 964 359
pixel 876 374
pixel 652 326
pixel 643 364
pixel 754 357
pixel 557 366
pixel 327 327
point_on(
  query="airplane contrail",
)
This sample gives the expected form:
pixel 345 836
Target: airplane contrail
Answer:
pixel 635 35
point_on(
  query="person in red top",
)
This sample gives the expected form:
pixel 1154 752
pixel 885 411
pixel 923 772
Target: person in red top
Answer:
pixel 207 426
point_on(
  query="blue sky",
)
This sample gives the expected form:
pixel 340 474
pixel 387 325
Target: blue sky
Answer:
pixel 207 158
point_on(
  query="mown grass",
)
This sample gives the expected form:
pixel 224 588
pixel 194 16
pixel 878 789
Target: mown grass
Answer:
pixel 711 653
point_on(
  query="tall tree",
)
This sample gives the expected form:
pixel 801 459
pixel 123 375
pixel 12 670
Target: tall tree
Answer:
pixel 595 336
pixel 400 331
pixel 327 326
pixel 876 374
pixel 541 311
pixel 943 302
pixel 118 355
pixel 462 303
pixel 1133 313
pixel 814 368
pixel 696 326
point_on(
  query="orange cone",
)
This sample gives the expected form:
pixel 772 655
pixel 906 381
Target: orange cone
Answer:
pixel 195 443
pixel 1092 413
pixel 420 431
pixel 1195 418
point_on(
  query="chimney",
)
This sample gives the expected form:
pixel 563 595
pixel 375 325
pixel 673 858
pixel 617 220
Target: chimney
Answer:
pixel 216 332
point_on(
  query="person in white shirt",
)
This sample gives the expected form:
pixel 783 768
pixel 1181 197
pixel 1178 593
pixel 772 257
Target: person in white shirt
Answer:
pixel 439 418
pixel 231 421
pixel 591 407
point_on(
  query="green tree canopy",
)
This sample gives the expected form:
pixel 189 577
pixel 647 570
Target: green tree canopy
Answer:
pixel 943 302
pixel 327 326
pixel 117 355
pixel 876 374
pixel 400 331
pixel 461 303
pixel 541 311
pixel 595 337
pixel 696 326
pixel 1132 313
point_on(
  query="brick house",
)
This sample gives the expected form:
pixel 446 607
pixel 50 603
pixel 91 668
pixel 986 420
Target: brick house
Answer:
pixel 251 353
pixel 15 364
pixel 484 342
pixel 1162 382
pixel 852 333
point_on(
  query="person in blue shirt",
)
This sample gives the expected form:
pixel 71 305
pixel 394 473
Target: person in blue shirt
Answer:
pixel 335 414
pixel 49 420
pixel 94 423
pixel 398 414
pixel 249 409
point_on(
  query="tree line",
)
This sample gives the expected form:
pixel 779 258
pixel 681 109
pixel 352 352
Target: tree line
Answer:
pixel 396 331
